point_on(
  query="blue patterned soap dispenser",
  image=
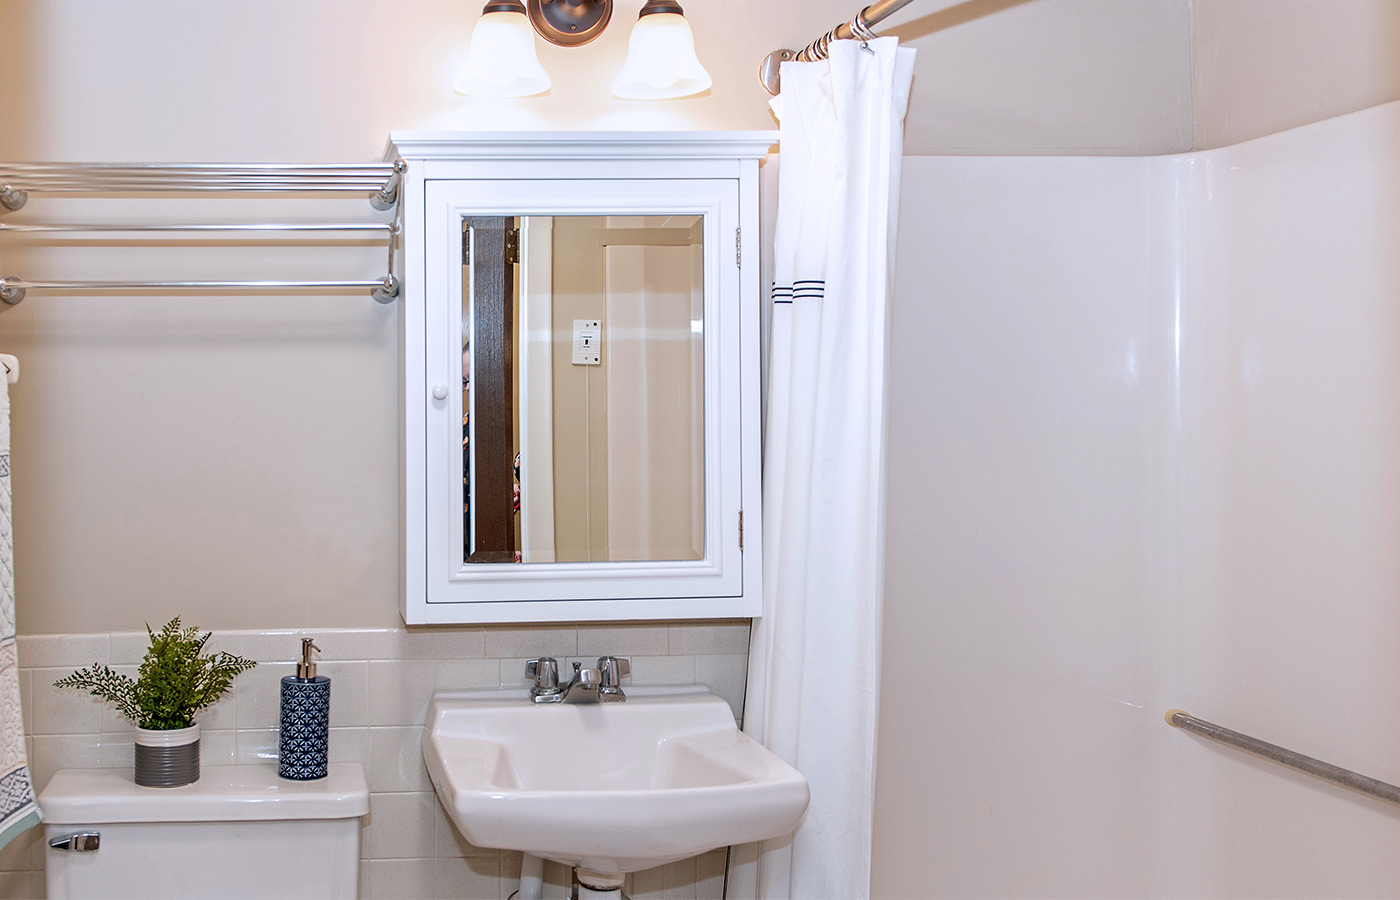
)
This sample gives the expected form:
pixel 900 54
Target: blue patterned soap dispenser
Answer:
pixel 306 721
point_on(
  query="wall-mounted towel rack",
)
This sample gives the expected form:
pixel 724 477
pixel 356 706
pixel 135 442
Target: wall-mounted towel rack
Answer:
pixel 11 366
pixel 18 179
pixel 12 290
pixel 385 227
pixel 380 180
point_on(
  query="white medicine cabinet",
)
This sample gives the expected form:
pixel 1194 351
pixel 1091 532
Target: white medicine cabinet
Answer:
pixel 580 323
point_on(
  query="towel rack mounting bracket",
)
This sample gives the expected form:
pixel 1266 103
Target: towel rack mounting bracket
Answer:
pixel 10 293
pixel 11 198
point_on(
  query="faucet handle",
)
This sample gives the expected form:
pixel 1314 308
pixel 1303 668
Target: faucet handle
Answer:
pixel 545 672
pixel 613 669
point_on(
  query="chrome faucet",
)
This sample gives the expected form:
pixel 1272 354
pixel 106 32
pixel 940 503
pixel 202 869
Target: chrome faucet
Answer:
pixel 600 684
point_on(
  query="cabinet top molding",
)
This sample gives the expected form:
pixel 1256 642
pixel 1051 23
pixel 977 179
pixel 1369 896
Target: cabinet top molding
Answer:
pixel 576 144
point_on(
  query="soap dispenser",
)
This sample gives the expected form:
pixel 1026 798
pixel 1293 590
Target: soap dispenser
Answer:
pixel 306 719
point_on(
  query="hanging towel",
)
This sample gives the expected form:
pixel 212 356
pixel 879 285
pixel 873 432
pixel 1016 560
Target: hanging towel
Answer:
pixel 18 809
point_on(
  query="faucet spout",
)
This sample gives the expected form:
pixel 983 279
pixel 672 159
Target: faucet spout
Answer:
pixel 583 687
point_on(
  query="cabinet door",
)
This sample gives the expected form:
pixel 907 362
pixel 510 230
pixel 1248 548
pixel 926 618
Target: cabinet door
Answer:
pixel 583 404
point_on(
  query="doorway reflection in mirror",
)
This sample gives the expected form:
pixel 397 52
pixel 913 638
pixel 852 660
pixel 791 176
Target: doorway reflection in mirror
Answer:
pixel 583 388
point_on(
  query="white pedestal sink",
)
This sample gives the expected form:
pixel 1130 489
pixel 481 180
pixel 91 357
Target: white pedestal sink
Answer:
pixel 609 788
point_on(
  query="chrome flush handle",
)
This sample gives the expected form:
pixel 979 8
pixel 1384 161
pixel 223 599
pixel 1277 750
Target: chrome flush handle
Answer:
pixel 84 842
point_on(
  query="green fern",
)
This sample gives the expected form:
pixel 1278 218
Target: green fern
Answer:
pixel 174 682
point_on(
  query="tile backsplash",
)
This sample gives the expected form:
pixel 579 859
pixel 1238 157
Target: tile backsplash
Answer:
pixel 382 680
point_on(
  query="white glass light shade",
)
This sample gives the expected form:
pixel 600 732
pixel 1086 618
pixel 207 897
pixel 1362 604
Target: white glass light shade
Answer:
pixel 502 61
pixel 661 62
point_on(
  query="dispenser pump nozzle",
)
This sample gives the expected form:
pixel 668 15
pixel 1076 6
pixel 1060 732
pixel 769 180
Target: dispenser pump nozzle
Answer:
pixel 307 667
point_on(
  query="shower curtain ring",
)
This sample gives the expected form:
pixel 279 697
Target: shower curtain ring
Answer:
pixel 861 31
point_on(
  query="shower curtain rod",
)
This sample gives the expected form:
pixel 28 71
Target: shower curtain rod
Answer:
pixel 859 28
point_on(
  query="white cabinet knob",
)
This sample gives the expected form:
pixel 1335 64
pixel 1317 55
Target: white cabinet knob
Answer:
pixel 439 392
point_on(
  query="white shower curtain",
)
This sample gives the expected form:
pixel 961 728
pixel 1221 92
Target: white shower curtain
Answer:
pixel 18 811
pixel 815 662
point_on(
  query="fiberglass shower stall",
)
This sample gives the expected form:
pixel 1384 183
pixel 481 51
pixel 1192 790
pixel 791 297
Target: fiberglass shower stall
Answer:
pixel 1145 453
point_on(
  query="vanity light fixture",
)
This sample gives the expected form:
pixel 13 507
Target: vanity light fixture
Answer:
pixel 570 23
pixel 502 61
pixel 661 61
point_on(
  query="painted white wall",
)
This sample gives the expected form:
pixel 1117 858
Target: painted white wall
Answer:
pixel 234 459
pixel 1091 523
pixel 1260 66
pixel 1047 76
pixel 313 80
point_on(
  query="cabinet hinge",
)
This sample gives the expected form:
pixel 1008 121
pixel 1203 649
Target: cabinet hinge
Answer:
pixel 513 246
pixel 741 529
pixel 739 247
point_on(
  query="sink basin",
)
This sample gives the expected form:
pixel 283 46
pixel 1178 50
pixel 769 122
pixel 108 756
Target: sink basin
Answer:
pixel 610 788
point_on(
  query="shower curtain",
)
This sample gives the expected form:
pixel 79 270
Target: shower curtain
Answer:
pixel 815 661
pixel 18 810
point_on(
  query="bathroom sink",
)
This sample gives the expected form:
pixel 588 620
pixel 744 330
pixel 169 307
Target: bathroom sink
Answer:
pixel 610 788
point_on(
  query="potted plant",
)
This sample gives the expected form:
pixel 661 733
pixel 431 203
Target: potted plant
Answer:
pixel 175 681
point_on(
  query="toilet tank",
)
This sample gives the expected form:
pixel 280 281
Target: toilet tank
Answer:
pixel 238 832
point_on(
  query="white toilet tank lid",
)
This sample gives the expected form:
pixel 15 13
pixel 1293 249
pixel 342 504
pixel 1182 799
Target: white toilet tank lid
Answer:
pixel 222 794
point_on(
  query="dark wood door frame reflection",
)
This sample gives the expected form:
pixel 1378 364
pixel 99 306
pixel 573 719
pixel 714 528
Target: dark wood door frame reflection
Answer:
pixel 492 408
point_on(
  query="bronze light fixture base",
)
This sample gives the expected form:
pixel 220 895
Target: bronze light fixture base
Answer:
pixel 569 23
pixel 652 7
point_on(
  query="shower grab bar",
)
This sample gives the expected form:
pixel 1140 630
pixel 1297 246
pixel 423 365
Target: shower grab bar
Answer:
pixel 1346 778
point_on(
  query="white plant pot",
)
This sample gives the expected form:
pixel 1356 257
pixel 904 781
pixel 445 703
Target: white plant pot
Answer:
pixel 167 758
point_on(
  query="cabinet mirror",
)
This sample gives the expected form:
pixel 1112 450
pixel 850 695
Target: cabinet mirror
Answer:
pixel 585 342
pixel 581 346
pixel 583 388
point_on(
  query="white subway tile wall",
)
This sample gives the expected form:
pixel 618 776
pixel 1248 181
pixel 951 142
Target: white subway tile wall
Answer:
pixel 382 679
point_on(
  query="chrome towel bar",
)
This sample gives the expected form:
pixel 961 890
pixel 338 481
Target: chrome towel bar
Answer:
pixel 1346 778
pixel 383 289
pixel 380 180
pixel 16 179
pixel 385 227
